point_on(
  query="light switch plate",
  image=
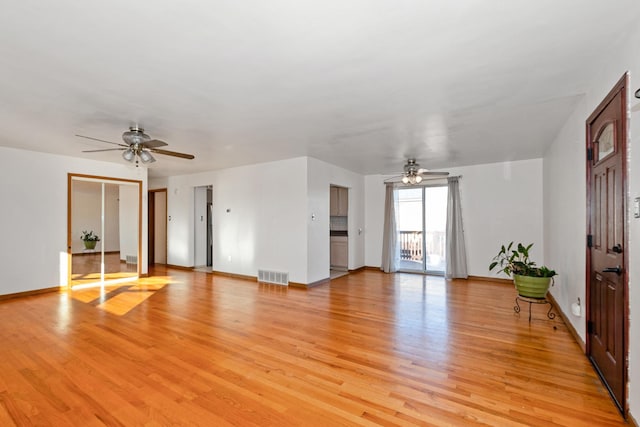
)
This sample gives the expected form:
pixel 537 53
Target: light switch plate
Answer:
pixel 636 207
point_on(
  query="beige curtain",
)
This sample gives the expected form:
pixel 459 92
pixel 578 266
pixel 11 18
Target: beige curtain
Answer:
pixel 455 247
pixel 390 238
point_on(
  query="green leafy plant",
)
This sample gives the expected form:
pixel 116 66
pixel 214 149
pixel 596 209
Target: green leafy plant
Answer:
pixel 89 237
pixel 515 260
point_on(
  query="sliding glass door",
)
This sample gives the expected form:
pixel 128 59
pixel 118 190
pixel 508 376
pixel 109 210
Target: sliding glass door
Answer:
pixel 421 222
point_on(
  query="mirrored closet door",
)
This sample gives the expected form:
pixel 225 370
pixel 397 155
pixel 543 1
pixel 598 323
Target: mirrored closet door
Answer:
pixel 104 230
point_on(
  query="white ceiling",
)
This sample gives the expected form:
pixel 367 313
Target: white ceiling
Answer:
pixel 362 84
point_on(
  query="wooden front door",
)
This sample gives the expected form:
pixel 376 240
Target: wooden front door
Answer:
pixel 607 243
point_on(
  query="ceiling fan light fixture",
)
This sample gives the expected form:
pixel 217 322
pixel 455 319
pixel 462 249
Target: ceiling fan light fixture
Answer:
pixel 135 135
pixel 418 179
pixel 405 179
pixel 146 157
pixel 128 155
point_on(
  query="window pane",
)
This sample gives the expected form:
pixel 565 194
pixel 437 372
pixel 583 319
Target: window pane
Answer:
pixel 435 227
pixel 605 142
pixel 410 228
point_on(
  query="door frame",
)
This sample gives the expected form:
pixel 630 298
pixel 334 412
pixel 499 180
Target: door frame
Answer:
pixel 106 180
pixel 622 87
pixel 424 270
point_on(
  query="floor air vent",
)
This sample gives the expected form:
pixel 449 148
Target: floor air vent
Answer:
pixel 275 277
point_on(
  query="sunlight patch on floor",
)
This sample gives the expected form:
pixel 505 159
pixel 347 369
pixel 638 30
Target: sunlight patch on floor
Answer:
pixel 121 298
pixel 123 303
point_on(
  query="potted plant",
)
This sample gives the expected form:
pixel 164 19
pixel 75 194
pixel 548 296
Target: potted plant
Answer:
pixel 89 239
pixel 530 280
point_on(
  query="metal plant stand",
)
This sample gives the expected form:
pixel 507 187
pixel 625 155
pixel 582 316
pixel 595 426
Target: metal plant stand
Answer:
pixel 530 300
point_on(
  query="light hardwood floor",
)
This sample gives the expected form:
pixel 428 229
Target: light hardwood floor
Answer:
pixel 183 348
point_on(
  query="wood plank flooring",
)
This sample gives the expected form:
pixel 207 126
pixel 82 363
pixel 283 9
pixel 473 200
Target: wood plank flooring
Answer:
pixel 182 348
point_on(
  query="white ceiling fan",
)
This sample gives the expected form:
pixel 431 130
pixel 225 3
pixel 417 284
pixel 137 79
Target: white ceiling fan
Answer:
pixel 413 174
pixel 138 145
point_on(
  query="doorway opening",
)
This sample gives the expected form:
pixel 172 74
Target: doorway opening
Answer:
pixel 421 229
pixel 338 231
pixel 157 212
pixel 203 228
pixel 110 209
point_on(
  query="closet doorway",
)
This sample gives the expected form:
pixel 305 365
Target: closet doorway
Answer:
pixel 203 228
pixel 157 244
pixel 110 209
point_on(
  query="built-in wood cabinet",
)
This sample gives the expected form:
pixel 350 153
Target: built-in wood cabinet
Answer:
pixel 339 252
pixel 338 201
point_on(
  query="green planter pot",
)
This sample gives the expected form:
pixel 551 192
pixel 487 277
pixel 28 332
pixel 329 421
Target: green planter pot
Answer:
pixel 90 244
pixel 532 287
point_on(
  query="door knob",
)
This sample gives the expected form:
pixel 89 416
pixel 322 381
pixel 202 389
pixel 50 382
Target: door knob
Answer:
pixel 617 248
pixel 617 269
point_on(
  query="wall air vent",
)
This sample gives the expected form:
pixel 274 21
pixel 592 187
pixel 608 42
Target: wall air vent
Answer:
pixel 275 277
pixel 131 259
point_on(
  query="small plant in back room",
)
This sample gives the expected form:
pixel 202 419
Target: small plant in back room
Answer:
pixel 530 280
pixel 89 239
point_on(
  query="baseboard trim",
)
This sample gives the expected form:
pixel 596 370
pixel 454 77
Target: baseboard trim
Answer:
pixel 357 270
pixel 235 276
pixel 371 267
pixel 179 267
pixel 31 293
pixel 632 421
pixel 568 323
pixel 297 285
pixel 318 282
pixel 491 279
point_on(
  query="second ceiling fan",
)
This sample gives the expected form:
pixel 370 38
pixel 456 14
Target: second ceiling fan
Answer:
pixel 413 174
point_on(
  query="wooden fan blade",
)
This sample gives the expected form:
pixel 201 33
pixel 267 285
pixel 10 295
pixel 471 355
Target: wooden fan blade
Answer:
pixel 105 149
pixel 394 179
pixel 154 143
pixel 435 173
pixel 101 140
pixel 172 153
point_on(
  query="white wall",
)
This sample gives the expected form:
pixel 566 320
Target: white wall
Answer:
pixel 321 176
pixel 497 199
pixel 33 190
pixel 259 218
pixel 158 183
pixel 565 200
pixel 565 213
pixel 263 218
pixel 374 194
